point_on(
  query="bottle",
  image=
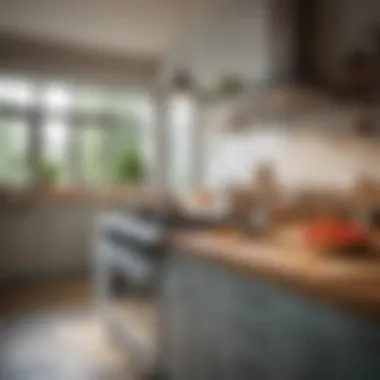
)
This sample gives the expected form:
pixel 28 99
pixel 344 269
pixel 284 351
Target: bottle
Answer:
pixel 258 222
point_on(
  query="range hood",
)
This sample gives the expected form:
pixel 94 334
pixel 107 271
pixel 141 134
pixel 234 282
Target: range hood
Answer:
pixel 294 74
pixel 283 103
pixel 294 84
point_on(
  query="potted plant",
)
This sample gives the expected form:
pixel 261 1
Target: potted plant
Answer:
pixel 129 169
pixel 229 85
pixel 47 174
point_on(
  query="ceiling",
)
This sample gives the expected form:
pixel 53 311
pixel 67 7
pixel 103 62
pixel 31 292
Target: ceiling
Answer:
pixel 140 27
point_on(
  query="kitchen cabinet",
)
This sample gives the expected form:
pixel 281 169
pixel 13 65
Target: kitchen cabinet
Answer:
pixel 221 324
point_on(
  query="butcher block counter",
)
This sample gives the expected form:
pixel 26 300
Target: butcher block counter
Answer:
pixel 241 308
pixel 351 282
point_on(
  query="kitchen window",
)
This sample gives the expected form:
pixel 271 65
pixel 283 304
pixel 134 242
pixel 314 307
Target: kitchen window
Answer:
pixel 14 169
pixel 71 135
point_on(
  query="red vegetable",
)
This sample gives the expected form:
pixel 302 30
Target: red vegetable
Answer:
pixel 336 233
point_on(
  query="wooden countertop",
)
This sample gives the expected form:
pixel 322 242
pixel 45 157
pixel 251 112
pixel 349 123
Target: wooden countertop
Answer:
pixel 350 282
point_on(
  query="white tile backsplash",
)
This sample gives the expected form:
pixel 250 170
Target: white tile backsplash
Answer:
pixel 319 150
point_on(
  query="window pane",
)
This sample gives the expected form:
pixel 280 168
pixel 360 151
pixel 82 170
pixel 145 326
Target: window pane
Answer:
pixel 13 153
pixel 55 150
pixel 104 147
pixel 56 97
pixel 126 103
pixel 89 99
pixel 94 156
pixel 16 91
pixel 92 98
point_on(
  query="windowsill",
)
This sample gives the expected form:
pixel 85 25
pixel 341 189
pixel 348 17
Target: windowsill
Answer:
pixel 57 196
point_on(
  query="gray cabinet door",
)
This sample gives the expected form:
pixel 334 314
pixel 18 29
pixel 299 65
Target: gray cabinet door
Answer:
pixel 227 327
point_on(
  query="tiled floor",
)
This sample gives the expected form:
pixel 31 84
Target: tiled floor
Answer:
pixel 52 333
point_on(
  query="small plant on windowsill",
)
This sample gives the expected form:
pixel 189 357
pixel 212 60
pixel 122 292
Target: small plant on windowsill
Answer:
pixel 129 169
pixel 228 87
pixel 47 174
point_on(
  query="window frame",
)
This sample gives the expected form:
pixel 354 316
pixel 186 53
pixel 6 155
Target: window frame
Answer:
pixel 35 116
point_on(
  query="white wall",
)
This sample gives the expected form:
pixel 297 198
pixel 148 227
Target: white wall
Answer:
pixel 47 240
pixel 314 151
pixel 234 42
